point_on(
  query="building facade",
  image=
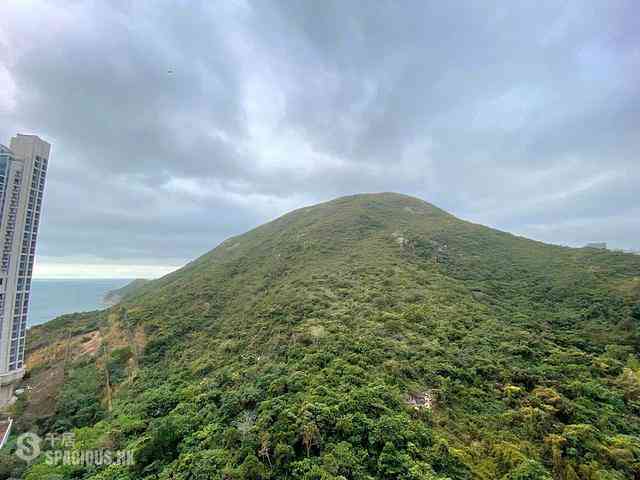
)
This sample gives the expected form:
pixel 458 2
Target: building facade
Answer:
pixel 23 169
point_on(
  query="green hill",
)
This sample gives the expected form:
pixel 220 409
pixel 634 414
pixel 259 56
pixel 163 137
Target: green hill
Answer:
pixel 113 297
pixel 370 337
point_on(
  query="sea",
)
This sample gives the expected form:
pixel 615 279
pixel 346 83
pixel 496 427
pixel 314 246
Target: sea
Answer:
pixel 51 298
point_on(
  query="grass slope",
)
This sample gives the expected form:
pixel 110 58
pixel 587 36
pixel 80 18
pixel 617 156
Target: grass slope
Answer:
pixel 113 297
pixel 298 350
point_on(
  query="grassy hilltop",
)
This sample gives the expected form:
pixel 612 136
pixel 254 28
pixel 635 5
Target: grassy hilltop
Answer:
pixel 370 337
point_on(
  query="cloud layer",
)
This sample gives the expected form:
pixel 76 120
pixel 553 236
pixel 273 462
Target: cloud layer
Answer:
pixel 174 127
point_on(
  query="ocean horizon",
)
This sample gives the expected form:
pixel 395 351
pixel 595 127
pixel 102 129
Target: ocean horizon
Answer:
pixel 52 297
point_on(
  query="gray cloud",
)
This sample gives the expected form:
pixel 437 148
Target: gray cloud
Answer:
pixel 174 127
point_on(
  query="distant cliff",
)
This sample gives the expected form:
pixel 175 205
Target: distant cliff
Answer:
pixel 113 297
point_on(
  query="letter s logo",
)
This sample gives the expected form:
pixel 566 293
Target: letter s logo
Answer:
pixel 28 447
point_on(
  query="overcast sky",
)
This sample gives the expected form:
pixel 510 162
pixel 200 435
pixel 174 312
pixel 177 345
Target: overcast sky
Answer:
pixel 176 124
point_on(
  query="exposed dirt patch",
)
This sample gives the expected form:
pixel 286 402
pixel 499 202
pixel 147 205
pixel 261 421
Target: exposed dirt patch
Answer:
pixel 421 400
pixel 91 343
pixel 46 365
pixel 70 348
pixel 42 390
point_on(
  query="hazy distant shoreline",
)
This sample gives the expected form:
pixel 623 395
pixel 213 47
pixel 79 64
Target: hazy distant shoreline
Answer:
pixel 52 297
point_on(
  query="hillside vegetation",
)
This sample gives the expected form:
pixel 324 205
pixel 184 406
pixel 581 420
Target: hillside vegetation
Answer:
pixel 370 337
pixel 113 297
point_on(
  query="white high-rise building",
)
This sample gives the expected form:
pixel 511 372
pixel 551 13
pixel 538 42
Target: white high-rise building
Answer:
pixel 23 169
